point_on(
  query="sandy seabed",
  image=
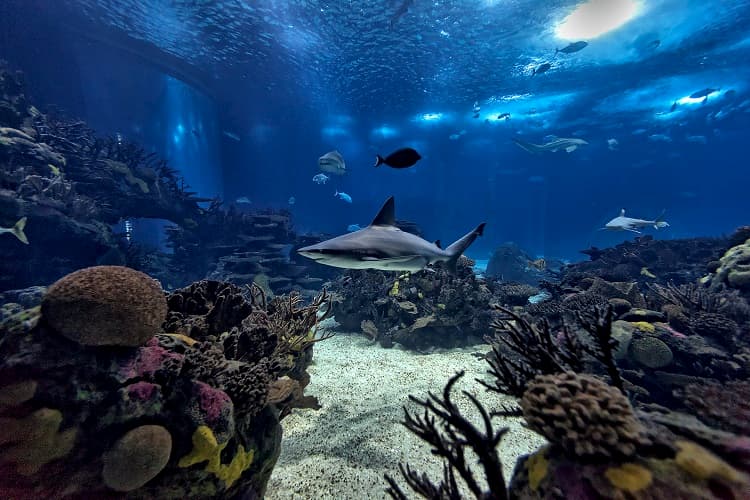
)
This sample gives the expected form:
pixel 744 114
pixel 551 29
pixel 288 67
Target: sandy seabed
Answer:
pixel 343 450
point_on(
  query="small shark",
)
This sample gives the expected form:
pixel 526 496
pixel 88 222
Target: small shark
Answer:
pixel 623 223
pixel 383 246
pixel 557 144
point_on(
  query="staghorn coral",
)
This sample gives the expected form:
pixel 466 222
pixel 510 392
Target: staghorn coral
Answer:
pixel 105 305
pixel 451 440
pixel 583 415
pixel 523 349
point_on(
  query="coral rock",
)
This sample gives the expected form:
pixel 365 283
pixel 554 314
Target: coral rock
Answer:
pixel 583 415
pixel 137 457
pixel 651 352
pixel 105 305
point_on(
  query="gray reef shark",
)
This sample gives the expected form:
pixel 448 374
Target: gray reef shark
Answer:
pixel 622 223
pixel 383 246
pixel 17 230
pixel 569 144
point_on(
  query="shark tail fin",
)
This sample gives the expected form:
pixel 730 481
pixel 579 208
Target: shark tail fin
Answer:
pixel 18 231
pixel 379 160
pixel 455 250
pixel 660 222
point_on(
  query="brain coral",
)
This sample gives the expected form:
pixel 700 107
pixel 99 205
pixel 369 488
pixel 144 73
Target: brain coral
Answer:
pixel 583 415
pixel 137 457
pixel 105 305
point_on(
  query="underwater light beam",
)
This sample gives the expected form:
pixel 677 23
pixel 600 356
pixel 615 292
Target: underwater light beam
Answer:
pixel 596 17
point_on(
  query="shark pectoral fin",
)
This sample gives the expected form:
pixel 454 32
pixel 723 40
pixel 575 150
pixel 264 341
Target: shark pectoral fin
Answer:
pixel 632 230
pixel 570 149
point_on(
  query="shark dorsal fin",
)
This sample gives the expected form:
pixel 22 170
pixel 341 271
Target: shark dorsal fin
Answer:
pixel 437 244
pixel 622 213
pixel 387 215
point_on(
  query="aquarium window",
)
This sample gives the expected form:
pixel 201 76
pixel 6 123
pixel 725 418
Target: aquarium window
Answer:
pixel 596 17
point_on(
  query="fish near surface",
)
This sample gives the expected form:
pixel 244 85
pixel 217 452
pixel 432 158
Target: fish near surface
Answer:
pixel 402 158
pixel 622 223
pixel 383 246
pixel 332 163
pixel 572 47
pixel 320 179
pixel 567 144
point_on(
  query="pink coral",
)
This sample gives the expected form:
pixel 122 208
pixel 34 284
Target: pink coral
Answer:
pixel 142 391
pixel 146 361
pixel 213 401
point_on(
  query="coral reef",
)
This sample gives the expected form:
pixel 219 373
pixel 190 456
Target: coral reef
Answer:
pixel 72 186
pixel 419 311
pixel 191 411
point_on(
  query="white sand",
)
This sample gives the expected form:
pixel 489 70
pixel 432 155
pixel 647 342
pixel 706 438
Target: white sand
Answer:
pixel 342 450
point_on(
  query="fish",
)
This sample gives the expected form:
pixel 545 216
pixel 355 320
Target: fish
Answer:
pixel 17 230
pixel 55 170
pixel 612 144
pixel 572 47
pixel 542 68
pixel 699 139
pixel 231 135
pixel 402 9
pixel 333 163
pixel 454 137
pixel 503 116
pixel 476 109
pixel 292 200
pixel 569 145
pixel 704 93
pixel 659 138
pixel 673 107
pixel 320 179
pixel 343 196
pixel 353 227
pixel 383 246
pixel 538 264
pixel 476 115
pixel 622 223
pixel 402 158
pixel 243 200
pixel 645 272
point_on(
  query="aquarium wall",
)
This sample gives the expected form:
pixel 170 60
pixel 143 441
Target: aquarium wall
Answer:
pixel 100 77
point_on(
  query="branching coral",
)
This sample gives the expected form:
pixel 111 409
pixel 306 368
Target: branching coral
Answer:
pixel 458 435
pixel 535 349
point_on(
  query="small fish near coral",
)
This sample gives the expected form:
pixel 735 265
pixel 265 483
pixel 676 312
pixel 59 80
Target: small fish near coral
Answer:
pixel 538 264
pixel 17 230
pixel 402 158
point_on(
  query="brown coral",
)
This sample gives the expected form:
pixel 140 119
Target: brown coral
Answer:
pixel 583 415
pixel 137 457
pixel 726 406
pixel 105 305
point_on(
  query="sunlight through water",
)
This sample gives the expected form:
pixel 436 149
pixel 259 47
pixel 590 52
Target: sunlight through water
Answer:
pixel 596 17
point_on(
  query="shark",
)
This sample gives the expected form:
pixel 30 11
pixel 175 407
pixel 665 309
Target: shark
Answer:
pixel 383 246
pixel 622 223
pixel 17 230
pixel 555 145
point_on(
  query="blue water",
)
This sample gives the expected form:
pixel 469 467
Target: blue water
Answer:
pixel 290 80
